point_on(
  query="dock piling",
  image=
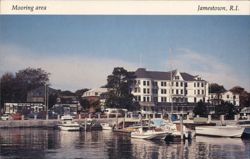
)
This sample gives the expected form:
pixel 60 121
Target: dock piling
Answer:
pixel 181 122
pixel 236 117
pixel 222 119
pixel 209 119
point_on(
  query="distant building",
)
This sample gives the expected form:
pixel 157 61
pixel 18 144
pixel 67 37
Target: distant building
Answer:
pixel 227 96
pixel 96 94
pixel 37 95
pixel 66 104
pixel 164 91
pixel 10 108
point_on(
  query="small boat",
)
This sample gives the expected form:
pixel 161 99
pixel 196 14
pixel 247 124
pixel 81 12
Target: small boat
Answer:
pixel 91 125
pixel 245 124
pixel 106 126
pixel 174 129
pixel 68 124
pixel 219 131
pixel 149 134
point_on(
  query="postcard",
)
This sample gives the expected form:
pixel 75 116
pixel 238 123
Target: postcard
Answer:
pixel 124 79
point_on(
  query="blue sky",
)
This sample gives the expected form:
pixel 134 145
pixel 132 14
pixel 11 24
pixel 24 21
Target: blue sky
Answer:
pixel 80 51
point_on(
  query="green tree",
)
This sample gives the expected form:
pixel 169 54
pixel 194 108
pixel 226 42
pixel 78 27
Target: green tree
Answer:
pixel 216 88
pixel 29 79
pixel 244 96
pixel 14 88
pixel 227 109
pixel 7 87
pixel 200 109
pixel 84 103
pixel 119 85
pixel 80 92
pixel 52 99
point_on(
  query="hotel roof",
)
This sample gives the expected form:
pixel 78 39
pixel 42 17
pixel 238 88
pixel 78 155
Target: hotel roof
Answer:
pixel 157 75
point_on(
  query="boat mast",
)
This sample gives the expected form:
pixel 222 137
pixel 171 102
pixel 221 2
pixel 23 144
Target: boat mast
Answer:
pixel 171 80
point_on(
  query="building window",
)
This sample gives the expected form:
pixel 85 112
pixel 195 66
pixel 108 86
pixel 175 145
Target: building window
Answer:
pixel 172 91
pixel 202 84
pixel 186 92
pixel 198 84
pixel 203 92
pixel 135 90
pixel 195 99
pixel 147 99
pixel 177 84
pixel 181 91
pixel 198 91
pixel 177 91
pixel 186 84
pixel 177 77
pixel 144 90
pixel 181 84
pixel 163 99
pixel 144 99
pixel 227 96
pixel 144 83
pixel 148 91
pixel 194 84
pixel 163 83
pixel 148 83
pixel 163 91
pixel 234 97
pixel 194 91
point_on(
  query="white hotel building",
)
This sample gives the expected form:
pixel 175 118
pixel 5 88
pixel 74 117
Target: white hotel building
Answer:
pixel 170 91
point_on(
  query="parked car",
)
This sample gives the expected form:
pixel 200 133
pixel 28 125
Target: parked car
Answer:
pixel 16 116
pixel 5 117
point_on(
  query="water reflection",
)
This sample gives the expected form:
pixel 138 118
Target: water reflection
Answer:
pixel 25 143
pixel 224 147
pixel 38 143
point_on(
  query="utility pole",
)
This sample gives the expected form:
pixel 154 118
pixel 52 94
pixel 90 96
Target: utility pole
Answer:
pixel 1 98
pixel 171 81
pixel 46 100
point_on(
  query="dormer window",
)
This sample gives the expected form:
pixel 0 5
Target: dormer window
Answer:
pixel 177 77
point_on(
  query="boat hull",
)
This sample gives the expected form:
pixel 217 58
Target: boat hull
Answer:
pixel 69 128
pixel 106 126
pixel 149 136
pixel 219 131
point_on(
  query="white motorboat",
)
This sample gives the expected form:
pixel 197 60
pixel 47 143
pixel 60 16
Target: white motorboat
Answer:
pixel 149 134
pixel 68 124
pixel 220 131
pixel 174 129
pixel 106 126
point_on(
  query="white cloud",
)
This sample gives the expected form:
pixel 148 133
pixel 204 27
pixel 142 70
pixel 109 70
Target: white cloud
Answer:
pixel 209 67
pixel 67 71
pixel 80 71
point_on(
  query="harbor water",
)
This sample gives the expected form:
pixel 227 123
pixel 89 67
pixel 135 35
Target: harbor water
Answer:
pixel 35 143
